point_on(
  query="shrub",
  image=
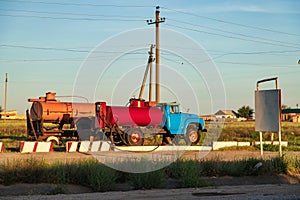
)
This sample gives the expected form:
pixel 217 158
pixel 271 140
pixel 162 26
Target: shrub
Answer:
pixel 101 178
pixel 191 175
pixel 148 180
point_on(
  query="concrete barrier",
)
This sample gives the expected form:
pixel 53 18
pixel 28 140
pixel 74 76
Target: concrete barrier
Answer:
pixel 283 143
pixel 94 146
pixel 1 147
pixel 84 146
pixel 32 147
pixel 105 146
pixel 222 144
pixel 244 144
pixel 71 146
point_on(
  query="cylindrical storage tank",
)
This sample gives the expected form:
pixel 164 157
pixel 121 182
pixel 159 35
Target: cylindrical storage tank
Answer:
pixel 137 103
pixel 53 111
pixel 130 116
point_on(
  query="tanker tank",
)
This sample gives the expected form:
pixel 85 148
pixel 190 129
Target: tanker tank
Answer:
pixel 134 116
pixel 49 109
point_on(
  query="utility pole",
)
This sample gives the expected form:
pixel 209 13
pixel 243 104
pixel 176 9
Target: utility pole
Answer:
pixel 150 76
pixel 5 95
pixel 157 21
pixel 149 67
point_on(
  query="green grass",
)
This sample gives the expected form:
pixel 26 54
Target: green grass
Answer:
pixel 12 127
pixel 148 180
pixel 12 131
pixel 100 178
pixel 245 131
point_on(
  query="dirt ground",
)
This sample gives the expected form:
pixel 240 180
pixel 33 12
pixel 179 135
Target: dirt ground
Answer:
pixel 220 155
pixel 260 187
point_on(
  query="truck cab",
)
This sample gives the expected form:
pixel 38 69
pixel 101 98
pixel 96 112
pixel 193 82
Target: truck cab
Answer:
pixel 178 123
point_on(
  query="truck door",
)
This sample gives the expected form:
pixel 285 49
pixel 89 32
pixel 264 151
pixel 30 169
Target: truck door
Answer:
pixel 175 125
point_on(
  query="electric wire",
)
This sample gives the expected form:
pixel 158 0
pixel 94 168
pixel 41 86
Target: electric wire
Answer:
pixel 74 14
pixel 78 4
pixel 72 18
pixel 232 37
pixel 234 33
pixel 229 22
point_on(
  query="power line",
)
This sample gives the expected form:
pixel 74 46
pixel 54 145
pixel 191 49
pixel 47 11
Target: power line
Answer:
pixel 70 18
pixel 64 49
pixel 232 23
pixel 256 52
pixel 258 64
pixel 235 33
pixel 269 65
pixel 75 14
pixel 75 49
pixel 232 37
pixel 79 4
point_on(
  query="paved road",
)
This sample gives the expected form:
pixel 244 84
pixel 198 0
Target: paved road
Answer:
pixel 224 192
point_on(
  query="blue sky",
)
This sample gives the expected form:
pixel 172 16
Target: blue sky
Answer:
pixel 43 45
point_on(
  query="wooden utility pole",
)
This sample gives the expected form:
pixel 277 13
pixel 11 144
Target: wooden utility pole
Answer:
pixel 157 21
pixel 149 67
pixel 150 76
pixel 5 95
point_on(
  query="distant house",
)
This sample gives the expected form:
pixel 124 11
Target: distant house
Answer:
pixel 208 117
pixel 8 114
pixel 290 114
pixel 226 114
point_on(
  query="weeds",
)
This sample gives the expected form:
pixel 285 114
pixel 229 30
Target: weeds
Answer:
pixel 100 178
pixel 148 180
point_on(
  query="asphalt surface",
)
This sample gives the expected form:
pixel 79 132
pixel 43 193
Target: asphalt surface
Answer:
pixel 282 191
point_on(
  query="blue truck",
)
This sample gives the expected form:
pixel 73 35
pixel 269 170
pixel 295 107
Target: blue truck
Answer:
pixel 129 125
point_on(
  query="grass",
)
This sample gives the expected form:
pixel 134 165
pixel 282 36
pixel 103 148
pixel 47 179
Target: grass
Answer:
pixel 100 178
pixel 148 180
pixel 12 127
pixel 245 132
pixel 12 131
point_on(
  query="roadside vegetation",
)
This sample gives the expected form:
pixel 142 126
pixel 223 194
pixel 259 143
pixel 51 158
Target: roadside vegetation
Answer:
pixel 100 178
pixel 245 132
pixel 13 131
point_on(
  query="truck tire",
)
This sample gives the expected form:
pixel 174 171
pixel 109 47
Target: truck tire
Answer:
pixel 134 137
pixel 192 135
pixel 54 140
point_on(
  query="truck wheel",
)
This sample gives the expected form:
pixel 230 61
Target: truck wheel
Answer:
pixel 192 136
pixel 54 140
pixel 134 137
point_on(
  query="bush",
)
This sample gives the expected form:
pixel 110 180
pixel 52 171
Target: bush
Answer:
pixel 270 147
pixel 148 180
pixel 191 175
pixel 101 178
pixel 293 164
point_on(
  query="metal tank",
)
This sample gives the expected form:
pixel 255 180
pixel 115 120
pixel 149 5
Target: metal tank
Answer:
pixel 49 109
pixel 134 116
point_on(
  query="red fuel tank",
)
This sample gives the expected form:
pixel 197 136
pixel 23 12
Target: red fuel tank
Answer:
pixel 139 116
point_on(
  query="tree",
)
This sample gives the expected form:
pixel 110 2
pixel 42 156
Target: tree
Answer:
pixel 245 111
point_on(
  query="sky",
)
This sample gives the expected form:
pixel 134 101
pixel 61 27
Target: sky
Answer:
pixel 212 52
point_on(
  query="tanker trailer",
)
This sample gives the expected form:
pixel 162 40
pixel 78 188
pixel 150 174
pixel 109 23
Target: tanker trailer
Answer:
pixel 128 125
pixel 50 119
